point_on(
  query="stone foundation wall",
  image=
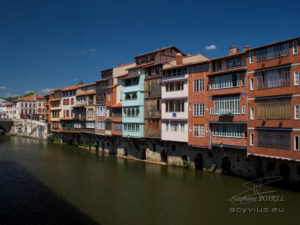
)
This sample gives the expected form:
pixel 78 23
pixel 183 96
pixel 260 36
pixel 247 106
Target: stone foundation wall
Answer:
pixel 221 160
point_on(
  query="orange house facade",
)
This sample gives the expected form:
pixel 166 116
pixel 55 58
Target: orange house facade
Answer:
pixel 274 100
pixel 198 105
pixel 227 96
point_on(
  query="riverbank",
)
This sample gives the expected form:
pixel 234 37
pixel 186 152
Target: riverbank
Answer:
pixel 234 162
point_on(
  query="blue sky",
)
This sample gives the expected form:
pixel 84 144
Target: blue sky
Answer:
pixel 51 44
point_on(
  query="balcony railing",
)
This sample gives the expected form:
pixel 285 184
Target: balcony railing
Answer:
pixel 80 117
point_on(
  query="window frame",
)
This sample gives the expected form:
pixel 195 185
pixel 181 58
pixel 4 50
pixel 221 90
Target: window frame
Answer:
pixel 296 78
pixel 296 115
pixel 251 141
pixel 295 50
pixel 296 137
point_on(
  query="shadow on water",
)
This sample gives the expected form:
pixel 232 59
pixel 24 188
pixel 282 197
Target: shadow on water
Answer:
pixel 25 200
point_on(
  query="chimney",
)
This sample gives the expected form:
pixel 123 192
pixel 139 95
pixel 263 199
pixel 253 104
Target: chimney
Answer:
pixel 121 64
pixel 245 48
pixel 179 60
pixel 233 50
pixel 81 82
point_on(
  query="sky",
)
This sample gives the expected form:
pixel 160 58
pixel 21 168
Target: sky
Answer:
pixel 51 44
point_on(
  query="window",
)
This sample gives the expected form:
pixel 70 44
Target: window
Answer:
pixel 251 83
pixel 228 130
pixel 227 105
pixel 72 101
pixel 174 106
pixel 177 86
pixel 211 110
pixel 100 125
pixel 252 113
pixel 131 111
pixel 274 139
pixel 251 59
pixel 199 130
pixel 198 85
pixel 226 81
pixel 234 62
pixel 108 97
pixel 273 78
pixel 199 110
pixel 274 108
pixel 174 72
pixel 198 68
pixel 296 78
pixel 118 126
pixel 272 52
pixel 295 47
pixel 297 112
pixel 90 113
pixel 243 109
pixel 296 143
pixel 243 82
pixel 252 139
pixel 101 111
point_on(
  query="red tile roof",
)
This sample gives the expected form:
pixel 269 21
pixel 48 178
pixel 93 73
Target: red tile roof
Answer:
pixel 71 87
pixel 158 50
pixel 27 98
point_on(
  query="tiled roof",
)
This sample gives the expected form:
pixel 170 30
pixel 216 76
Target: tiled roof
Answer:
pixel 27 98
pixel 71 87
pixel 158 50
pixel 187 60
pixel 89 84
pixel 141 65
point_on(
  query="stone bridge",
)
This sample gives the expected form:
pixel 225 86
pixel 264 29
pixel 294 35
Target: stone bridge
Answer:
pixel 6 125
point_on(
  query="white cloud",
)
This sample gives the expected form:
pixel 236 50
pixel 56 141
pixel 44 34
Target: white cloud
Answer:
pixel 2 87
pixel 28 91
pixel 45 91
pixel 75 79
pixel 210 47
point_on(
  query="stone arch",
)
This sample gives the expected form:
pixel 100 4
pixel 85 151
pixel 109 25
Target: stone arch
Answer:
pixel 164 156
pixel 143 156
pixel 226 165
pixel 199 162
pixel 2 130
pixel 125 151
pixel 185 157
pixel 284 172
pixel 259 168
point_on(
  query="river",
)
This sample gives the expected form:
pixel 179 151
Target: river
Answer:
pixel 118 191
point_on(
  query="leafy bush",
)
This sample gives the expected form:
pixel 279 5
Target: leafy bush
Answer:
pixel 76 143
pixel 51 138
pixel 187 164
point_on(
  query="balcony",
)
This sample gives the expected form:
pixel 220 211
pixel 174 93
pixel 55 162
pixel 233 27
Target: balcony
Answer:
pixel 80 117
pixel 152 114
